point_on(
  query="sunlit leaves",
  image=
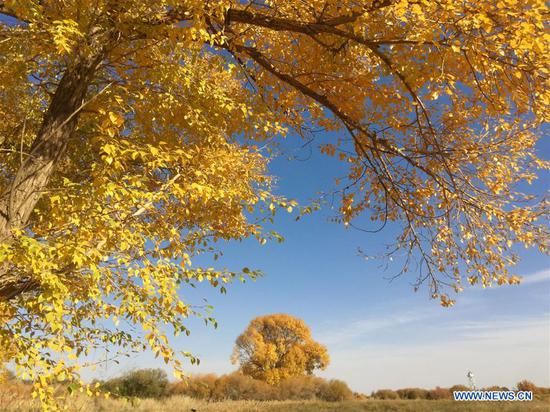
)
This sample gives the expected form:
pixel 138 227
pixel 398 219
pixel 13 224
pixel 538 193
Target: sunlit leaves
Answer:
pixel 435 107
pixel 154 176
pixel 440 107
pixel 65 34
pixel 276 347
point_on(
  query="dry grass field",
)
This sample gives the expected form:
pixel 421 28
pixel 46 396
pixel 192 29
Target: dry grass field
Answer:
pixel 184 404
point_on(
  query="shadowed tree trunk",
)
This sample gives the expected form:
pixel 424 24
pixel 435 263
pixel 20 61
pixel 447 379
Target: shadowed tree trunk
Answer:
pixel 21 197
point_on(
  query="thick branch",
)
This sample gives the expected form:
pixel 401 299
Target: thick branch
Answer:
pixel 285 24
pixel 21 197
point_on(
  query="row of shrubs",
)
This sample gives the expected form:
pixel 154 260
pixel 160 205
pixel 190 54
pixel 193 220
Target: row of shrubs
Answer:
pixel 418 393
pixel 238 386
pixel 447 393
pixel 153 383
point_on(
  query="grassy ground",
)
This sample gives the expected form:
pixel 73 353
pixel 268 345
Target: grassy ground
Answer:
pixel 182 404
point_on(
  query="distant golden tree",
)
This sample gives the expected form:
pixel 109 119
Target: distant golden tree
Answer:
pixel 275 347
pixel 136 134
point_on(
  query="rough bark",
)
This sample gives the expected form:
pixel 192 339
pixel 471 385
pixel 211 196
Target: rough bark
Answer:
pixel 19 200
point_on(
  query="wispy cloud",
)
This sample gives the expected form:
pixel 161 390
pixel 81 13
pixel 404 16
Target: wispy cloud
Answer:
pixel 500 352
pixel 519 329
pixel 354 329
pixel 540 276
pixel 500 340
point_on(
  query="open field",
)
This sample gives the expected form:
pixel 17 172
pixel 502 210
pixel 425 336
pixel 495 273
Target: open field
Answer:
pixel 183 404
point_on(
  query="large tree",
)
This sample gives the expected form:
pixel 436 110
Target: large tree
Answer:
pixel 128 146
pixel 277 347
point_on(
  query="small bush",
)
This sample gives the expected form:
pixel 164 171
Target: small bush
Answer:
pixel 142 383
pixel 385 394
pixel 457 388
pixel 300 387
pixel 335 391
pixel 439 393
pixel 526 385
pixel 412 393
pixel 237 386
pixel 198 387
pixel 496 388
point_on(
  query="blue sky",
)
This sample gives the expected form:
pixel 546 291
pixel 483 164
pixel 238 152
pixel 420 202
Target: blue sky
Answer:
pixel 380 334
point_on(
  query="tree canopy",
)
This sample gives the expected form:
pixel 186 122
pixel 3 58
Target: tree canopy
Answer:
pixel 133 138
pixel 277 347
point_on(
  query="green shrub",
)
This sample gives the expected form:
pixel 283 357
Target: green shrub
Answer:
pixel 142 383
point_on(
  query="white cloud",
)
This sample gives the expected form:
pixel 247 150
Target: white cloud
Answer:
pixel 342 334
pixel 499 353
pixel 540 276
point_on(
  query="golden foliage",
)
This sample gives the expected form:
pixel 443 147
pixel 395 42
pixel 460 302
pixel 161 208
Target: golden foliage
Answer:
pixel 129 143
pixel 276 347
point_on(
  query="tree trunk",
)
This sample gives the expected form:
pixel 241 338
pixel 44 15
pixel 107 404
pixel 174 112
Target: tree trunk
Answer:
pixel 19 200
